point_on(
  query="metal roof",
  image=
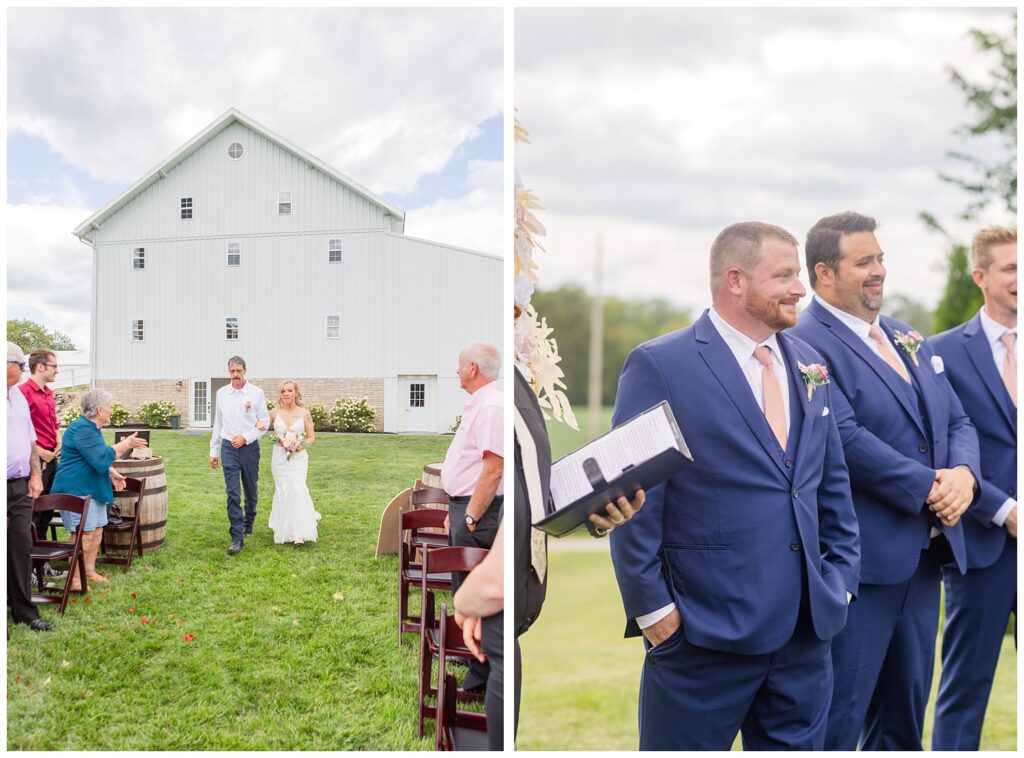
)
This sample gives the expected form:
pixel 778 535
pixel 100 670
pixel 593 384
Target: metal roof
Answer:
pixel 229 117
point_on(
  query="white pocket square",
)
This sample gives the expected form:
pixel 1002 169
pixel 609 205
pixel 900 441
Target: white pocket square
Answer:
pixel 937 365
pixel 824 411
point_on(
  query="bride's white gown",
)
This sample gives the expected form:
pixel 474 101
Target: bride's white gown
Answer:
pixel 292 516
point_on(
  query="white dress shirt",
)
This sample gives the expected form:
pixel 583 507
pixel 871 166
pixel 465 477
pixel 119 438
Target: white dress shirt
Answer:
pixel 237 414
pixel 993 331
pixel 857 325
pixel 742 348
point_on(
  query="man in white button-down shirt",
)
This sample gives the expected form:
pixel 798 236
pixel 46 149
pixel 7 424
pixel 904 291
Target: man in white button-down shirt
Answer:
pixel 235 441
pixel 982 370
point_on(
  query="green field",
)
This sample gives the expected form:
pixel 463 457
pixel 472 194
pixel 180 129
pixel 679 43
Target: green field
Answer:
pixel 580 677
pixel 293 648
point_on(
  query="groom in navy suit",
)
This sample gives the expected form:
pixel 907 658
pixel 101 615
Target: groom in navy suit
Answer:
pixel 980 359
pixel 739 569
pixel 913 459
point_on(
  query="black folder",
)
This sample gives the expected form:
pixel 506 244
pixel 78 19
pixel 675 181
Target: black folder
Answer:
pixel 645 474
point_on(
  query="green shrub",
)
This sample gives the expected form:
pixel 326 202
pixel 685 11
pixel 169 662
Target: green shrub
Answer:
pixel 350 414
pixel 119 415
pixel 157 413
pixel 270 405
pixel 71 414
pixel 455 427
pixel 321 418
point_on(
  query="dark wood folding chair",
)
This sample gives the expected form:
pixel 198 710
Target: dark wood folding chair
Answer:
pixel 423 496
pixel 410 572
pixel 131 524
pixel 457 730
pixel 448 559
pixel 44 551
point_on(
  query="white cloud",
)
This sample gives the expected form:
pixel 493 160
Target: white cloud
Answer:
pixel 384 95
pixel 658 128
pixel 473 221
pixel 49 272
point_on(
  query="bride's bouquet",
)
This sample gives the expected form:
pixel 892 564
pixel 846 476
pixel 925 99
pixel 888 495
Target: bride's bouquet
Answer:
pixel 290 441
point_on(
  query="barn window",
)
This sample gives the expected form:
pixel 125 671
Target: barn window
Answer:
pixel 231 328
pixel 284 204
pixel 334 251
pixel 235 151
pixel 137 330
pixel 334 327
pixel 234 254
pixel 139 258
pixel 186 207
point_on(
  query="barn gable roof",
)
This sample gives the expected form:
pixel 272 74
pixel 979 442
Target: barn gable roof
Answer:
pixel 85 229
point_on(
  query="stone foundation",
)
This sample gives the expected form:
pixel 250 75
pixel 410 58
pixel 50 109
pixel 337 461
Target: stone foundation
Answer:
pixel 132 393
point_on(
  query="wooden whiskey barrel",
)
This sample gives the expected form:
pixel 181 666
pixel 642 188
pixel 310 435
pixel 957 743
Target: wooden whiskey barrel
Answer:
pixel 154 505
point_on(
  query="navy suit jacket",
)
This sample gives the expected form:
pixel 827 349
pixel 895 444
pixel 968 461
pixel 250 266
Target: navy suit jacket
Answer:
pixel 972 372
pixel 734 537
pixel 892 448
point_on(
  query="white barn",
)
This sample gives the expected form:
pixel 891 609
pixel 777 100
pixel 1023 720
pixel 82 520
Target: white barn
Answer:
pixel 242 243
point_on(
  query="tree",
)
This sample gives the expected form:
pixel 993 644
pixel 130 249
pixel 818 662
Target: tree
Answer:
pixel 627 323
pixel 29 335
pixel 995 103
pixel 962 298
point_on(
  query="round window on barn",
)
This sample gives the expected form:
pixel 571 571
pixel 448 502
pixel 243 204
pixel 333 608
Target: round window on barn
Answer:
pixel 235 151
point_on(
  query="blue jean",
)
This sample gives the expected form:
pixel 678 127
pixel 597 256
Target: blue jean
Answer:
pixel 242 463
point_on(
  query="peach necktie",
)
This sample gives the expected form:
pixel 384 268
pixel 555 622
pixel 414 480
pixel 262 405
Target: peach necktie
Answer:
pixel 774 409
pixel 1010 366
pixel 887 354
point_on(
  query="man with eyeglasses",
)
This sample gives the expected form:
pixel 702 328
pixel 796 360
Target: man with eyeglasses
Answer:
pixel 24 484
pixel 42 366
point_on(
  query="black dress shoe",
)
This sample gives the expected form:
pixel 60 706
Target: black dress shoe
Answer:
pixel 248 529
pixel 38 625
pixel 236 547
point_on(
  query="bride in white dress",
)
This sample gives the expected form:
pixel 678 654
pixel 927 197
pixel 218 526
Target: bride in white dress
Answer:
pixel 292 516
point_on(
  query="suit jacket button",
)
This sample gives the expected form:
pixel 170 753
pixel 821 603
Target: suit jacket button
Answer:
pixel 794 546
pixel 795 494
pixel 789 464
pixel 1012 490
pixel 922 448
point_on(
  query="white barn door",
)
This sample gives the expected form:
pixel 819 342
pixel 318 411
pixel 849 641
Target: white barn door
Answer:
pixel 199 404
pixel 417 400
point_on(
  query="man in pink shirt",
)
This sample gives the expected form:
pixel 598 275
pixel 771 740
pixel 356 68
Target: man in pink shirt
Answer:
pixel 472 470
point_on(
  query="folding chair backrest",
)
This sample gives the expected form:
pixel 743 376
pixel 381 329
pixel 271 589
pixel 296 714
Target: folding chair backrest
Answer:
pixel 428 495
pixel 441 559
pixel 420 519
pixel 61 502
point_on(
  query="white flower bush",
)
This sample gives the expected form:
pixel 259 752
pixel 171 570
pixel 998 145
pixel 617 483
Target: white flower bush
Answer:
pixel 351 414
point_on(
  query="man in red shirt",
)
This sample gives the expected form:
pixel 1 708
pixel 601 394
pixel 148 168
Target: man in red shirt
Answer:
pixel 42 365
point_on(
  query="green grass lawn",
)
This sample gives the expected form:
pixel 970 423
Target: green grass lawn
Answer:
pixel 580 677
pixel 279 660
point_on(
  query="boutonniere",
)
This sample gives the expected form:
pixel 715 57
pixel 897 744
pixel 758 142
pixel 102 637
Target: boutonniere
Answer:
pixel 248 406
pixel 910 342
pixel 814 376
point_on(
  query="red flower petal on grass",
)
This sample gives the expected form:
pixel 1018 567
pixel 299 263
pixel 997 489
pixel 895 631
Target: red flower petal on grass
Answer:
pixel 188 638
pixel 144 620
pixel 134 596
pixel 101 627
pixel 18 677
pixel 103 596
pixel 88 600
pixel 181 580
pixel 131 610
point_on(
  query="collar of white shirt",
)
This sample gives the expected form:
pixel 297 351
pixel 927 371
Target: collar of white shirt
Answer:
pixel 994 330
pixel 740 344
pixel 858 326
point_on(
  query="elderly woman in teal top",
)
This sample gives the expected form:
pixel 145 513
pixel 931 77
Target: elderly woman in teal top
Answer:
pixel 87 470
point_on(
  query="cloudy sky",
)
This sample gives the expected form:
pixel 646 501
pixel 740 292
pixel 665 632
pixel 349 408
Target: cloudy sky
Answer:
pixel 406 102
pixel 658 128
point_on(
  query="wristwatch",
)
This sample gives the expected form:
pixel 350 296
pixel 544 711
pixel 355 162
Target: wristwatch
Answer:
pixel 470 521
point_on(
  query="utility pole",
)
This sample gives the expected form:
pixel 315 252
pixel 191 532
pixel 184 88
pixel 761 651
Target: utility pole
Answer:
pixel 596 345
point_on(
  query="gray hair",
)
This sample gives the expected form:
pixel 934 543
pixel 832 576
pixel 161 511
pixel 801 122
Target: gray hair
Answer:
pixel 14 352
pixel 95 399
pixel 485 356
pixel 236 360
